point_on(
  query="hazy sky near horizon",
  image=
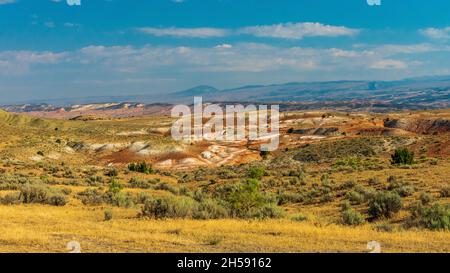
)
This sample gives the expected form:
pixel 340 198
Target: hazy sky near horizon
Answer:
pixel 49 49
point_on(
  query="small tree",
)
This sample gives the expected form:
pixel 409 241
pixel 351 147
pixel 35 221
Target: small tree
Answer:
pixel 402 157
pixel 245 199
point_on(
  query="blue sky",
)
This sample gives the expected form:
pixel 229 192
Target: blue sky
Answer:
pixel 49 49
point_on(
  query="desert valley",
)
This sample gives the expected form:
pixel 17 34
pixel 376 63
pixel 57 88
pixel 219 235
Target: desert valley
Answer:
pixel 115 181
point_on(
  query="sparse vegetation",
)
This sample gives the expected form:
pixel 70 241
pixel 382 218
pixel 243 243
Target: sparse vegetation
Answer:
pixel 426 198
pixel 352 218
pixel 246 201
pixel 108 215
pixel 143 183
pixel 91 197
pixel 142 167
pixel 436 217
pixel 325 151
pixel 385 204
pixel 445 192
pixel 256 173
pixel 42 194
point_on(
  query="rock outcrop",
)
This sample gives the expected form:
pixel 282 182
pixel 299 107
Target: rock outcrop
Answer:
pixel 420 126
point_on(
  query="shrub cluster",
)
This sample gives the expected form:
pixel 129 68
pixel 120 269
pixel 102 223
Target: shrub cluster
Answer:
pixel 385 204
pixel 91 197
pixel 182 207
pixel 436 217
pixel 327 151
pixel 247 201
pixel 113 196
pixel 243 200
pixel 141 168
pixel 256 172
pixel 36 193
pixel 351 217
pixel 445 192
pixel 143 183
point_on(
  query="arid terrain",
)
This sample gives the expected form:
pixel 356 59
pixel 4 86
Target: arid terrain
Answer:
pixel 118 182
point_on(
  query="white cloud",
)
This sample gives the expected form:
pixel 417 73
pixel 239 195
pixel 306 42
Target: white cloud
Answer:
pixel 436 33
pixel 246 57
pixel 336 52
pixel 294 31
pixel 409 49
pixel 20 62
pixel 4 2
pixel 298 31
pixel 389 64
pixel 227 64
pixel 185 32
pixel 223 58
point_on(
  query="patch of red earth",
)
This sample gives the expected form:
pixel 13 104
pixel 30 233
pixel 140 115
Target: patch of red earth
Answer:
pixel 120 158
pixel 433 147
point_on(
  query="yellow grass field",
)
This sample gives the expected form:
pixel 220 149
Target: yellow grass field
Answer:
pixel 34 228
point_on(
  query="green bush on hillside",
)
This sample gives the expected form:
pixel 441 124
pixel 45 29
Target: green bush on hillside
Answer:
pixel 352 218
pixel 42 194
pixel 385 204
pixel 256 172
pixel 402 156
pixel 436 217
pixel 141 167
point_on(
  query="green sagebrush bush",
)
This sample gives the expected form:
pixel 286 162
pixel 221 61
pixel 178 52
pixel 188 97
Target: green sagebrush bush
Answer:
pixel 247 201
pixel 42 194
pixel 143 183
pixel 436 217
pixel 351 217
pixel 141 167
pixel 256 172
pixel 402 156
pixel 243 200
pixel 91 197
pixel 385 204
pixel 169 207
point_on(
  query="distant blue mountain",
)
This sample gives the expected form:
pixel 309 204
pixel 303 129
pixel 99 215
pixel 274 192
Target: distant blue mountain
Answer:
pixel 431 91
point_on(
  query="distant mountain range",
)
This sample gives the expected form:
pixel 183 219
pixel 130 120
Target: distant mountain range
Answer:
pixel 427 91
pixel 418 93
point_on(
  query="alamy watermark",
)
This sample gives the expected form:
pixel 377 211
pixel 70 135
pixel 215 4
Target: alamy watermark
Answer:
pixel 374 2
pixel 258 124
